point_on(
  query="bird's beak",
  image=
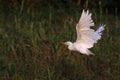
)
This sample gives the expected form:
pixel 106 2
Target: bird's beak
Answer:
pixel 62 43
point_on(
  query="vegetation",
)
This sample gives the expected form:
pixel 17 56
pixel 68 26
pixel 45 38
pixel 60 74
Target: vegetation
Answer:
pixel 30 49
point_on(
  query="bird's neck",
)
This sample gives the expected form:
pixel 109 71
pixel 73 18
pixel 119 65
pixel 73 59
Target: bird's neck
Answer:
pixel 71 47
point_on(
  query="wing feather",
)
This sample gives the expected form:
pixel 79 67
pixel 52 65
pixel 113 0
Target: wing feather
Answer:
pixel 86 37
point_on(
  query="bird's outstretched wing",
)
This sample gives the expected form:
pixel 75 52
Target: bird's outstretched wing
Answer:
pixel 86 37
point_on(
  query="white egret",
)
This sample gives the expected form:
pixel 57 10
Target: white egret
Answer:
pixel 86 37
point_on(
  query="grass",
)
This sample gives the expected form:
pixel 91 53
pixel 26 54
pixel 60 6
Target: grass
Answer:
pixel 30 49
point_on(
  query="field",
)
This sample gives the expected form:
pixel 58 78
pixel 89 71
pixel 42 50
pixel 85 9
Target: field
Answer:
pixel 30 46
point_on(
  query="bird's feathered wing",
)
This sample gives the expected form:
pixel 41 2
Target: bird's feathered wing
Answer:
pixel 86 37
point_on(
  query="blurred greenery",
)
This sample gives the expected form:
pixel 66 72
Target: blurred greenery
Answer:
pixel 30 33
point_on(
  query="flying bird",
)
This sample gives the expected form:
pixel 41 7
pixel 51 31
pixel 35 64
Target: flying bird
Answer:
pixel 86 37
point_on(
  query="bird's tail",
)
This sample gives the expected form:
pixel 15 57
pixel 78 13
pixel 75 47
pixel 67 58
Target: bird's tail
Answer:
pixel 89 53
pixel 98 32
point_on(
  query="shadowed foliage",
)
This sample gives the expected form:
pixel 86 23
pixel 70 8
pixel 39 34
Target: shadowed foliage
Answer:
pixel 30 33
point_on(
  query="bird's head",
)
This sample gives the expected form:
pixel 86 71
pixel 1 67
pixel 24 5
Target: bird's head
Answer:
pixel 67 43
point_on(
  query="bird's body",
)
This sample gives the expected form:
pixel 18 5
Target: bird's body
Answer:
pixel 86 37
pixel 76 47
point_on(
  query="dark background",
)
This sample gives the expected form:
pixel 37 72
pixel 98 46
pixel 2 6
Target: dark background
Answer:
pixel 31 32
pixel 110 5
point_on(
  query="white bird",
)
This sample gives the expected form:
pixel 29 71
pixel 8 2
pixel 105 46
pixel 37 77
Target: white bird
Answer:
pixel 86 37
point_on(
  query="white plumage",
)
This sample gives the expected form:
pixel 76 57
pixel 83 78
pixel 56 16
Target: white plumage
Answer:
pixel 86 37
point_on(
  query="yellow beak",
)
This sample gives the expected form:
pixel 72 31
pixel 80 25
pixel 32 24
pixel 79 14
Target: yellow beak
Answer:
pixel 62 43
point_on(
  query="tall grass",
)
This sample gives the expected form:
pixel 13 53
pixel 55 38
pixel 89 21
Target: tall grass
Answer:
pixel 30 49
